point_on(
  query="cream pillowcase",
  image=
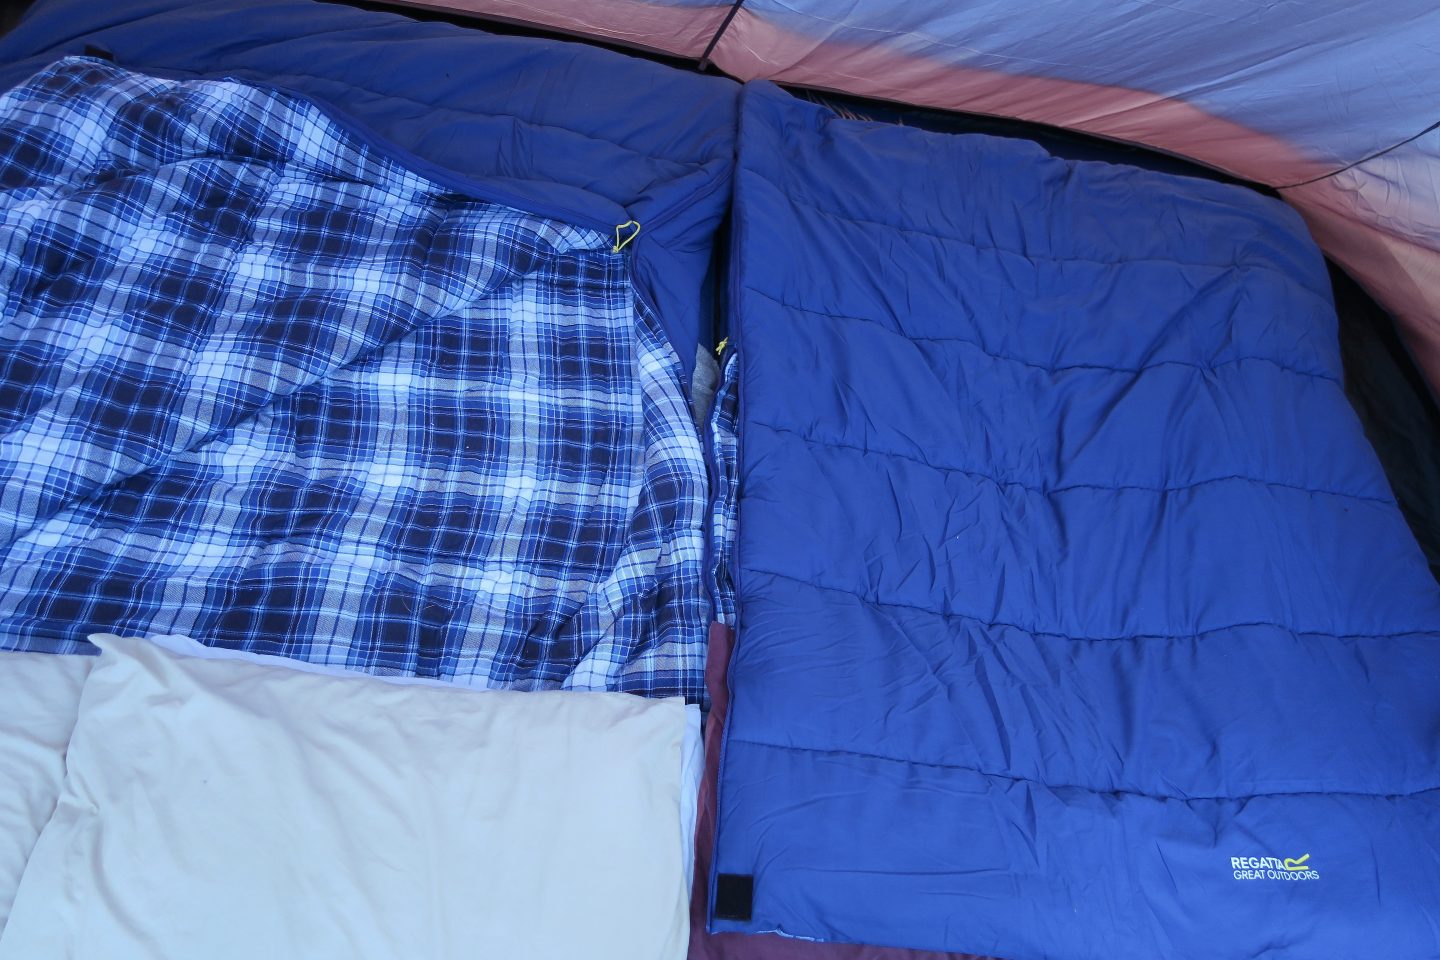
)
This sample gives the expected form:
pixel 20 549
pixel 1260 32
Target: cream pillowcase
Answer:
pixel 224 808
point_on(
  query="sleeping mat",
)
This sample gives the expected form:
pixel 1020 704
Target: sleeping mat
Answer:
pixel 1076 618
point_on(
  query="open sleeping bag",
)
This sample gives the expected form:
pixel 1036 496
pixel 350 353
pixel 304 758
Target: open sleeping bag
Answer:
pixel 1076 618
pixel 319 342
pixel 329 334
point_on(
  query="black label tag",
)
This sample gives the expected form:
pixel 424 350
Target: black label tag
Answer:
pixel 734 896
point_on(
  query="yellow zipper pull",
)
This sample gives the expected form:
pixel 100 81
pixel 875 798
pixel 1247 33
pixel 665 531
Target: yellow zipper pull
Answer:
pixel 720 347
pixel 621 244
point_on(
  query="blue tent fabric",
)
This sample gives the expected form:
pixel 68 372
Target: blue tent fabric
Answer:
pixel 580 134
pixel 1075 615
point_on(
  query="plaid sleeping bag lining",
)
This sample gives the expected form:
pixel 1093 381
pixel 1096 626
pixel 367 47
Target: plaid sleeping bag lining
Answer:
pixel 263 386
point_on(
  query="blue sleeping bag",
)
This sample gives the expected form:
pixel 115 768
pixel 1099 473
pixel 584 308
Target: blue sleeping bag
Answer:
pixel 1076 617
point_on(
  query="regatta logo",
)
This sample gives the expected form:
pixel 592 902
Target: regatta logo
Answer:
pixel 1274 868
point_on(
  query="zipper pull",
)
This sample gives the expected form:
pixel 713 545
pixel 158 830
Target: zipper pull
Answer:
pixel 622 244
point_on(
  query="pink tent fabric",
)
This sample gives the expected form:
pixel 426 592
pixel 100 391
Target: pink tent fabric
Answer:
pixel 1331 102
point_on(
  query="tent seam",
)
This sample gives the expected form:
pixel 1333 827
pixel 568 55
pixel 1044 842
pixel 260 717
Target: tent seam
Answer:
pixel 704 61
pixel 1363 160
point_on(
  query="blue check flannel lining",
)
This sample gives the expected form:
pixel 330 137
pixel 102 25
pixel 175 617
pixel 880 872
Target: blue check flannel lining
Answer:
pixel 725 454
pixel 263 386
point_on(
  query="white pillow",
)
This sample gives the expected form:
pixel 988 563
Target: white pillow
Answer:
pixel 39 699
pixel 692 761
pixel 232 809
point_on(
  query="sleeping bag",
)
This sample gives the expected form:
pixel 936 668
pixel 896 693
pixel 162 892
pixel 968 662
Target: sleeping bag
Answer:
pixel 1076 618
pixel 266 386
pixel 317 338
